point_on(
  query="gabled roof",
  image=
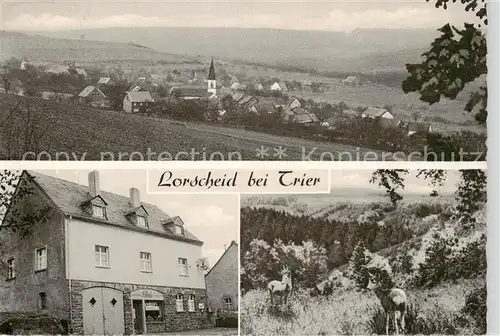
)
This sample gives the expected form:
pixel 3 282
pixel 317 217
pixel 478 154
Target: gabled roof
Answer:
pixel 68 198
pixel 306 118
pixel 244 100
pixel 140 96
pixel 211 71
pixel 264 106
pixel 134 88
pixel 88 90
pixel 237 96
pixel 155 77
pixel 375 112
pixel 233 243
pixel 104 80
pixel 81 71
pixel 189 92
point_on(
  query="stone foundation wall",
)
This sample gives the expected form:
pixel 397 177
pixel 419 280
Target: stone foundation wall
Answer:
pixel 172 320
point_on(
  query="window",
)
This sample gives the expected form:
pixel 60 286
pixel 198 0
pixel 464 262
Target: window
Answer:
pixel 41 259
pixel 183 267
pixel 146 262
pixel 11 265
pixel 228 303
pixel 154 311
pixel 179 302
pixel 141 221
pixel 43 300
pixel 101 256
pixel 191 303
pixel 179 230
pixel 98 211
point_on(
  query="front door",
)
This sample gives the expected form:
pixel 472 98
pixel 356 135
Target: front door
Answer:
pixel 138 312
pixel 103 312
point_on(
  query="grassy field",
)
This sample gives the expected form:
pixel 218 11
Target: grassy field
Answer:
pixel 42 48
pixel 87 133
pixel 344 312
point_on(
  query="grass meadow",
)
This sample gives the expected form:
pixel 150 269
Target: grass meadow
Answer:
pixel 350 312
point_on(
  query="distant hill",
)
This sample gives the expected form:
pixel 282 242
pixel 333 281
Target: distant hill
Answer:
pixel 43 48
pixel 361 50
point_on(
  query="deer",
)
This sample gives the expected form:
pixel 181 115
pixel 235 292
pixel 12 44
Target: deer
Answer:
pixel 281 288
pixel 393 300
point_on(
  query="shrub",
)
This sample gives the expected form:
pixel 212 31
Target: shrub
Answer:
pixel 475 307
pixel 227 319
pixel 424 209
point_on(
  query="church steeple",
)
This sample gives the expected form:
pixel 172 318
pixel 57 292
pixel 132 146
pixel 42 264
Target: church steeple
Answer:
pixel 211 72
pixel 211 82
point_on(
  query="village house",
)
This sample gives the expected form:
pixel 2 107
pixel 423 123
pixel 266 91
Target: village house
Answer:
pixel 222 281
pixel 306 119
pixel 105 263
pixel 93 96
pixel 188 93
pixel 375 112
pixel 237 96
pixel 258 87
pixel 137 101
pixel 238 87
pixel 277 87
pixel 418 127
pixel 294 104
pixel 105 81
pixel 233 80
pixel 351 81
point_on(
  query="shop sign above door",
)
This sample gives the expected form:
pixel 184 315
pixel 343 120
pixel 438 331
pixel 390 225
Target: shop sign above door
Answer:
pixel 146 294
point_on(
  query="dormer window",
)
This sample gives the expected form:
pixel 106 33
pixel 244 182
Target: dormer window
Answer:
pixel 98 211
pixel 95 207
pixel 179 230
pixel 141 221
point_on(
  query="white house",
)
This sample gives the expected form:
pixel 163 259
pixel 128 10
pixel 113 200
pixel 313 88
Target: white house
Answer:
pixel 106 263
pixel 275 87
pixel 295 103
pixel 375 112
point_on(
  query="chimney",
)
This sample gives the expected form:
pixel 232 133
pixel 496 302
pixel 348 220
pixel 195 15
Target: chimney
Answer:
pixel 135 197
pixel 94 183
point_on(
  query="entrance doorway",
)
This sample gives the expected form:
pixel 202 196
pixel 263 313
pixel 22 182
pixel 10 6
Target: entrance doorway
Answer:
pixel 103 311
pixel 148 309
pixel 138 316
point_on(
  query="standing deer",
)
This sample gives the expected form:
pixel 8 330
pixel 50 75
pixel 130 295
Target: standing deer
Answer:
pixel 281 288
pixel 394 302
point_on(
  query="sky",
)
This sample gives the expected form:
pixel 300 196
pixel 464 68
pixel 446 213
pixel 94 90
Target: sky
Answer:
pixel 211 218
pixel 345 16
pixel 342 180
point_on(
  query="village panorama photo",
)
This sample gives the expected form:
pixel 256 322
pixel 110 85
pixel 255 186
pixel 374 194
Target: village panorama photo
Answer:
pixel 259 80
pixel 92 253
pixel 387 252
